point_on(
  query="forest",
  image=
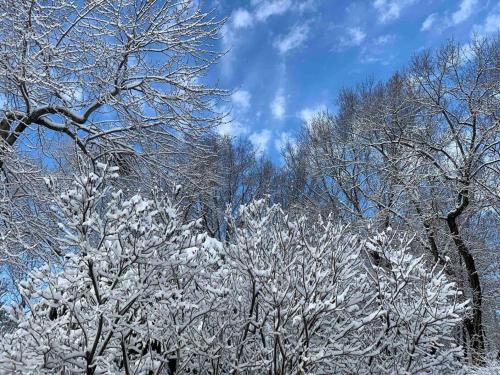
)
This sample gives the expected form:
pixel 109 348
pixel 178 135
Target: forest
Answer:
pixel 135 238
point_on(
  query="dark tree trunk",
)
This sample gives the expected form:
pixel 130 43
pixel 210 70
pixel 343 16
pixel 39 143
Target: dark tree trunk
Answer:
pixel 172 366
pixel 474 325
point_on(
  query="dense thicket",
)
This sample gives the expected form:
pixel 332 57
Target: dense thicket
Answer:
pixel 140 291
pixel 372 247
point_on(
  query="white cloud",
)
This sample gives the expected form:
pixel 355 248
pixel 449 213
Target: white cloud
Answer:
pixel 297 36
pixel 227 34
pixel 378 50
pixel 306 114
pixel 228 42
pixel 260 140
pixel 384 39
pixel 352 37
pixel 241 18
pixel 305 5
pixel 491 24
pixel 284 139
pixel 278 105
pixel 390 10
pixel 232 128
pixel 429 22
pixel 241 99
pixel 464 11
pixel 357 35
pixel 268 8
pixel 234 124
pixel 245 19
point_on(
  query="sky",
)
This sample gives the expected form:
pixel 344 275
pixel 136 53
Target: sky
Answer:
pixel 287 59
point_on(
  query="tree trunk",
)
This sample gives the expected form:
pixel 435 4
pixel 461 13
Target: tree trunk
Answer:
pixel 474 326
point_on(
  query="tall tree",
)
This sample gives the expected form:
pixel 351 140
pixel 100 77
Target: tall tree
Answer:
pixel 458 136
pixel 421 152
pixel 121 80
pixel 104 73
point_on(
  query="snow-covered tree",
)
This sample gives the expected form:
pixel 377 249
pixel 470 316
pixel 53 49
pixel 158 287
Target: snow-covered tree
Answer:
pixel 129 295
pixel 422 310
pixel 102 73
pixel 308 297
pixel 420 153
pixel 139 290
pixel 122 79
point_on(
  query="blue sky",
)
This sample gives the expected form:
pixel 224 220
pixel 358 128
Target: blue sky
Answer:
pixel 289 58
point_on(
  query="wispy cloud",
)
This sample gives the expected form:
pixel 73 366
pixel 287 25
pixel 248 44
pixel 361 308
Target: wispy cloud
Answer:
pixel 465 10
pixel 305 5
pixel 267 8
pixel 234 123
pixel 233 128
pixel 284 139
pixel 241 99
pixel 378 50
pixel 491 24
pixel 385 39
pixel 242 18
pixel 228 42
pixel 306 114
pixel 352 37
pixel 278 105
pixel 390 10
pixel 429 22
pixel 295 38
pixel 260 140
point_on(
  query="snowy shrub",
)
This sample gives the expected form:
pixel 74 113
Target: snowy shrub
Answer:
pixel 140 291
pixel 310 298
pixel 128 297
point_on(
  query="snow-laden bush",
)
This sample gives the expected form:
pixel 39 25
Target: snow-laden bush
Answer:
pixel 311 298
pixel 130 293
pixel 140 291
